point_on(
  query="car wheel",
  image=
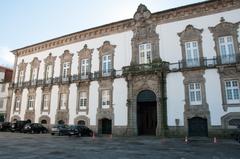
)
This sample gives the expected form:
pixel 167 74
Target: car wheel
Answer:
pixel 52 134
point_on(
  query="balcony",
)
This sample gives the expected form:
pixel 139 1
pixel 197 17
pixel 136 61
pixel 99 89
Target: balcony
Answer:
pixel 228 59
pixel 146 68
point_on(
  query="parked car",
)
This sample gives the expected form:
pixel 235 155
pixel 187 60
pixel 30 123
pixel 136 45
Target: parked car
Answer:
pixel 79 130
pixel 236 134
pixel 34 128
pixel 60 129
pixel 18 126
pixel 5 126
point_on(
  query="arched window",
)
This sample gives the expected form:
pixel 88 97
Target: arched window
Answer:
pixel 44 121
pixel 81 122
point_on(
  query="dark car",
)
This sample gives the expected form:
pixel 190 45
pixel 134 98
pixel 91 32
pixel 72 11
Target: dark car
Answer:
pixel 5 126
pixel 79 130
pixel 34 128
pixel 18 126
pixel 60 129
pixel 236 134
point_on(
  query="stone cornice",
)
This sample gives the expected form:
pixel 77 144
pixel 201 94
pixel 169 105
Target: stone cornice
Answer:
pixel 171 15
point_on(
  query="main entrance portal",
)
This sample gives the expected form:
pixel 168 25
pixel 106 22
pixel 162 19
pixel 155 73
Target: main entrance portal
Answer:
pixel 146 113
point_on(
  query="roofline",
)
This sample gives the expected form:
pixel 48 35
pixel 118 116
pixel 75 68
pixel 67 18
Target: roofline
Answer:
pixel 234 4
pixel 85 30
pixel 104 25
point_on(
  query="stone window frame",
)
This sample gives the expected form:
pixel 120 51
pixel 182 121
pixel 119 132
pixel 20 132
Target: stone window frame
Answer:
pixel 50 60
pixel 227 117
pixel 190 34
pixel 63 89
pixel 199 79
pixel 35 64
pixel 66 57
pixel 145 53
pixel 106 49
pixel 191 103
pixel 144 31
pixel 82 87
pixel 191 111
pixel 225 29
pixel 1 103
pixel 32 93
pixel 46 91
pixel 226 74
pixel 105 85
pixel 84 53
pixel 18 93
pixel 21 67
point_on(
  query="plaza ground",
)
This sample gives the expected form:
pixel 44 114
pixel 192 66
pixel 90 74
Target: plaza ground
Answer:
pixel 38 146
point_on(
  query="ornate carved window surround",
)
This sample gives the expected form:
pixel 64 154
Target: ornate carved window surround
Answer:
pixel 49 61
pixel 106 49
pixel 225 29
pixel 195 110
pixel 191 34
pixel 226 74
pixel 21 72
pixel 46 93
pixel 82 87
pixel 144 31
pixel 18 96
pixel 85 53
pixel 66 57
pixel 35 64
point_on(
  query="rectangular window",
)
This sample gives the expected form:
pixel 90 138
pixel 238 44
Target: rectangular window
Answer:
pixel 227 51
pixel 83 100
pixel 192 54
pixel 145 53
pixel 30 102
pixel 46 101
pixel 232 91
pixel 63 101
pixel 195 96
pixel 66 70
pixel 1 103
pixel 49 70
pixel 106 65
pixel 105 98
pixel 20 79
pixel 17 103
pixel 84 68
pixel 34 75
pixel 3 87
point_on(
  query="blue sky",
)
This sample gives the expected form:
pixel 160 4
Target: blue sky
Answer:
pixel 25 22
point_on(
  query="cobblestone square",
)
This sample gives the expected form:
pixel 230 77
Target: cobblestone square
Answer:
pixel 38 146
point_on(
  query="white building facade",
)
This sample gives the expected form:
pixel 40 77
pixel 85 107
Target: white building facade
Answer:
pixel 174 72
pixel 5 80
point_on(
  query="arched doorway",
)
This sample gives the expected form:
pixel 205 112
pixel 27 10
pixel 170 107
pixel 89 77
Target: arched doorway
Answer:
pixel 105 126
pixel 43 121
pixel 81 122
pixel 197 127
pixel 29 121
pixel 146 113
pixel 61 122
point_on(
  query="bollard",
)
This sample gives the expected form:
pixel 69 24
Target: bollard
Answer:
pixel 186 139
pixel 93 136
pixel 214 140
